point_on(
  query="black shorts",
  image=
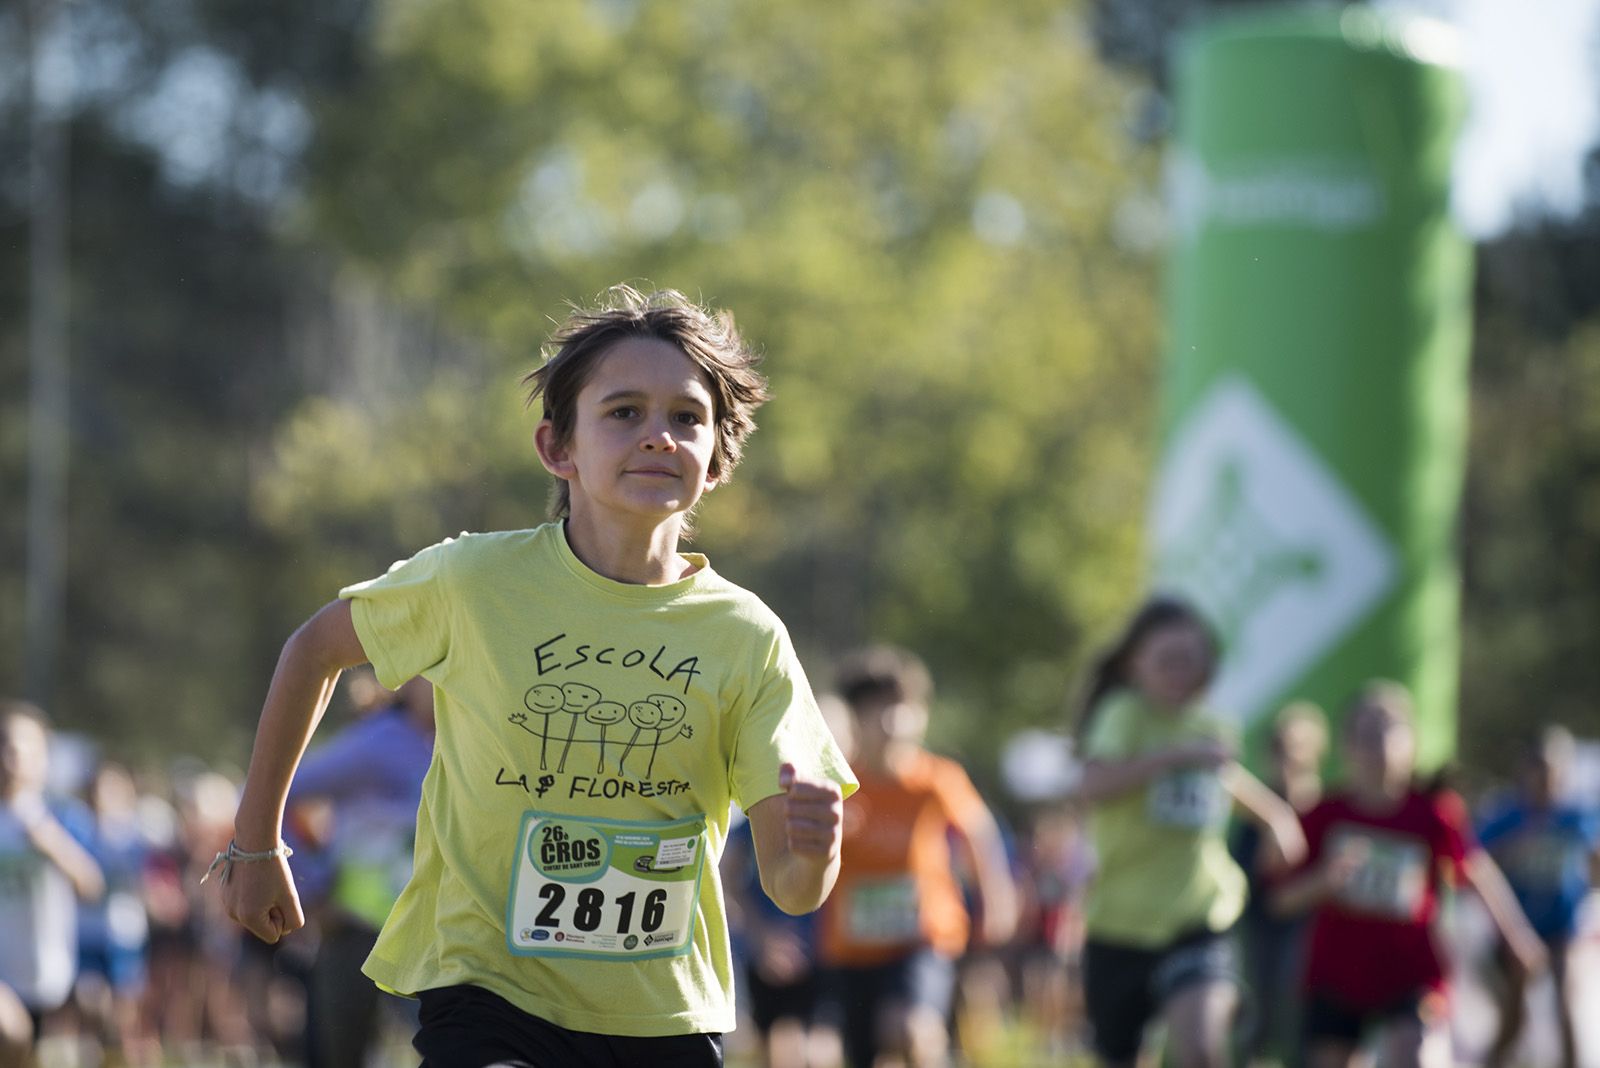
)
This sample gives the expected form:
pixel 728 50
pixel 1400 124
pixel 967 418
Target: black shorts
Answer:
pixel 1125 986
pixel 853 997
pixel 1327 1019
pixel 771 1002
pixel 468 1027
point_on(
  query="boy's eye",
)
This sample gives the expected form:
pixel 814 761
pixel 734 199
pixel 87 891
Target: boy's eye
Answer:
pixel 626 411
pixel 690 418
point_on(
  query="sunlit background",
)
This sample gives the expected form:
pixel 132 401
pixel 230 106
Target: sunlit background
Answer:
pixel 285 264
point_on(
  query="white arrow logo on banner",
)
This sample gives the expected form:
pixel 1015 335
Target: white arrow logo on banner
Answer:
pixel 1253 526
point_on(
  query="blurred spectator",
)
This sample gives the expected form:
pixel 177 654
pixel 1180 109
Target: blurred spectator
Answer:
pixel 895 923
pixel 778 952
pixel 43 869
pixel 1549 848
pixel 371 774
pixel 1274 946
pixel 114 932
pixel 195 999
pixel 1059 867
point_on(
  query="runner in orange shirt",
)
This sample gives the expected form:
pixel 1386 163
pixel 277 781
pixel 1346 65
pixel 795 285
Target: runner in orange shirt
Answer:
pixel 896 923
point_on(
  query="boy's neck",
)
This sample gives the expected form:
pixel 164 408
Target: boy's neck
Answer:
pixel 640 556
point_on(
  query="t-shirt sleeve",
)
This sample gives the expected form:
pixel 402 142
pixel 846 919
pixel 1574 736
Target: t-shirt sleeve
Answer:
pixel 1111 729
pixel 783 725
pixel 402 617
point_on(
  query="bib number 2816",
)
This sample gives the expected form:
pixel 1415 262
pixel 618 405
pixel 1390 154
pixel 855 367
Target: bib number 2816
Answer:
pixel 606 889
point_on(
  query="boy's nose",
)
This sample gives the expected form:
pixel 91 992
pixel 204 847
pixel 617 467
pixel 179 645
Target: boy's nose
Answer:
pixel 659 438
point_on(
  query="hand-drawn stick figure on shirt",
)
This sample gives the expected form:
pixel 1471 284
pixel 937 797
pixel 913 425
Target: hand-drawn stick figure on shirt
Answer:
pixel 543 700
pixel 672 713
pixel 644 715
pixel 605 713
pixel 578 700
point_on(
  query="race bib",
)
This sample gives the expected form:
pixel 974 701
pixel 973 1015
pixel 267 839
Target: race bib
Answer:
pixel 1541 860
pixel 883 912
pixel 1392 877
pixel 1191 798
pixel 604 889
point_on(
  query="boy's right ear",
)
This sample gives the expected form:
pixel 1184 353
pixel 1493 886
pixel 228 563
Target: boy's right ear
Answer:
pixel 556 457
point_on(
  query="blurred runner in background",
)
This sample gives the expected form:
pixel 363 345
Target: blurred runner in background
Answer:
pixel 44 871
pixel 114 932
pixel 1379 851
pixel 1548 845
pixel 1060 865
pixel 778 952
pixel 371 773
pixel 1274 946
pixel 896 923
pixel 1160 775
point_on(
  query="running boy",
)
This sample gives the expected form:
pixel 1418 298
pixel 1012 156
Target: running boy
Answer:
pixel 601 698
pixel 1380 852
pixel 894 932
pixel 1547 842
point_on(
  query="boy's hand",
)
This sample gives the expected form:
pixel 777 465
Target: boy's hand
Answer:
pixel 813 815
pixel 260 897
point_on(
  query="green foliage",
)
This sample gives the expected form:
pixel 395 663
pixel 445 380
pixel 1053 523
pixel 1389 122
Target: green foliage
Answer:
pixel 908 206
pixel 1532 516
pixel 927 215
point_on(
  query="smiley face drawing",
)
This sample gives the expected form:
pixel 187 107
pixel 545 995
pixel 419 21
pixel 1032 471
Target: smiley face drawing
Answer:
pixel 645 716
pixel 576 700
pixel 605 714
pixel 672 713
pixel 544 700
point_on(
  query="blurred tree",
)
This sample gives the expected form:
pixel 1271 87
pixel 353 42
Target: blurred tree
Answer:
pixel 1531 527
pixel 930 216
pixel 184 135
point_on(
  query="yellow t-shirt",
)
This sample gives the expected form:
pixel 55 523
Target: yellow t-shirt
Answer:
pixel 591 735
pixel 1164 866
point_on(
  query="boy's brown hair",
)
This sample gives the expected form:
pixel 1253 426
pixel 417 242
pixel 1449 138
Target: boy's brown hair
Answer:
pixel 707 337
pixel 883 672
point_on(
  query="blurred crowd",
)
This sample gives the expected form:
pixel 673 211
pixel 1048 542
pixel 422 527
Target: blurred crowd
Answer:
pixel 957 934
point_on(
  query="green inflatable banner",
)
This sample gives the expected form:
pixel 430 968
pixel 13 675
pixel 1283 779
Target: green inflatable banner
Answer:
pixel 1318 328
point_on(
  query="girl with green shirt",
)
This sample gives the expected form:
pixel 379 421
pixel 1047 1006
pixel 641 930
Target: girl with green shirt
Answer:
pixel 1161 779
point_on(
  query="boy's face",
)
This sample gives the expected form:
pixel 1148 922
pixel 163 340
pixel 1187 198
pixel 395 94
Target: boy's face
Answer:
pixel 24 756
pixel 1380 746
pixel 1171 665
pixel 643 435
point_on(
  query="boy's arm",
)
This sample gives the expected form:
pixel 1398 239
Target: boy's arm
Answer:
pixel 51 838
pixel 260 895
pixel 1271 813
pixel 997 891
pixel 797 835
pixel 1319 882
pixel 1105 777
pixel 1485 877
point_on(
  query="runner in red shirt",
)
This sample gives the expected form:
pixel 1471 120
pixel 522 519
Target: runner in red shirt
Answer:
pixel 1379 853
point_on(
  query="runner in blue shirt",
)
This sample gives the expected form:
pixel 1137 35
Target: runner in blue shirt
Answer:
pixel 1548 846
